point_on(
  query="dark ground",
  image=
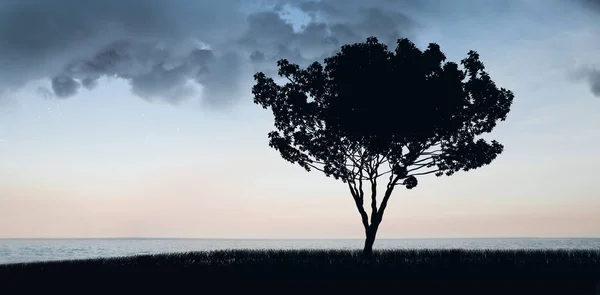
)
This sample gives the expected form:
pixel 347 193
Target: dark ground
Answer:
pixel 281 271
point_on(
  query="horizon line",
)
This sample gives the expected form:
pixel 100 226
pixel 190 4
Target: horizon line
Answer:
pixel 256 238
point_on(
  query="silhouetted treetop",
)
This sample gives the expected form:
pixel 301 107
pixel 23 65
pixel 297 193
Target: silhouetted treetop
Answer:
pixel 407 111
pixel 392 104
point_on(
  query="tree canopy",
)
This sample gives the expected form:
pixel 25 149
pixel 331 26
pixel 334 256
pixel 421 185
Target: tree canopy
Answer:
pixel 370 112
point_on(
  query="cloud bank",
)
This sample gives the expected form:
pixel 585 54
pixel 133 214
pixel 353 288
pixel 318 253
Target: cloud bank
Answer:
pixel 177 50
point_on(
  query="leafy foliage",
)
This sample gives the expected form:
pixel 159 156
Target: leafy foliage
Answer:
pixel 369 102
pixel 369 107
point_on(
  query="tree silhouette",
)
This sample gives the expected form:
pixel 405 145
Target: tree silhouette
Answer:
pixel 371 114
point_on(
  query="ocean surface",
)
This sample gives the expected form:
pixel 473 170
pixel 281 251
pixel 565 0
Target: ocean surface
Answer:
pixel 32 250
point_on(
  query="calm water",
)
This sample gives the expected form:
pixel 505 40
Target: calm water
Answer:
pixel 29 250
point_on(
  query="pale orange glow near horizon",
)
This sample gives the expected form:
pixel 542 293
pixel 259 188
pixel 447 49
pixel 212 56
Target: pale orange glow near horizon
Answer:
pixel 209 212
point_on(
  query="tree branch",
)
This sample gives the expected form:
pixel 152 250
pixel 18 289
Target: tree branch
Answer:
pixel 315 167
pixel 431 153
pixel 359 205
pixel 422 160
pixel 360 184
pixel 386 197
pixel 373 199
pixel 290 79
pixel 384 173
pixel 417 167
pixel 425 173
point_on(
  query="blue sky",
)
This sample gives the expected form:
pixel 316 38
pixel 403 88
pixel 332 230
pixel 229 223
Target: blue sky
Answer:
pixel 151 153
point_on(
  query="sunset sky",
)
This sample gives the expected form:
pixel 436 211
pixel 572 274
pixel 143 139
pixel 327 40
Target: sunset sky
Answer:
pixel 143 150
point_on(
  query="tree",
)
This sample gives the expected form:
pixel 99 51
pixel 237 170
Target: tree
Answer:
pixel 371 114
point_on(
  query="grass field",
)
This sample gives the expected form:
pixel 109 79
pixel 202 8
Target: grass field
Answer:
pixel 546 268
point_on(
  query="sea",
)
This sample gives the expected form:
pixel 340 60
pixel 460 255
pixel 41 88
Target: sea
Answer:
pixel 35 250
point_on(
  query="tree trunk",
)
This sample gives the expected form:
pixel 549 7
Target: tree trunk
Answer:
pixel 370 240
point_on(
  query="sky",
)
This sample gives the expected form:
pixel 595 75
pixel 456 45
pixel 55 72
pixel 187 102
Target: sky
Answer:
pixel 121 119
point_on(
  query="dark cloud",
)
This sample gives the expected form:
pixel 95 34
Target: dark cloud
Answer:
pixel 331 24
pixel 590 73
pixel 593 75
pixel 64 86
pixel 152 71
pixel 587 74
pixel 175 50
pixel 594 80
pixel 591 4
